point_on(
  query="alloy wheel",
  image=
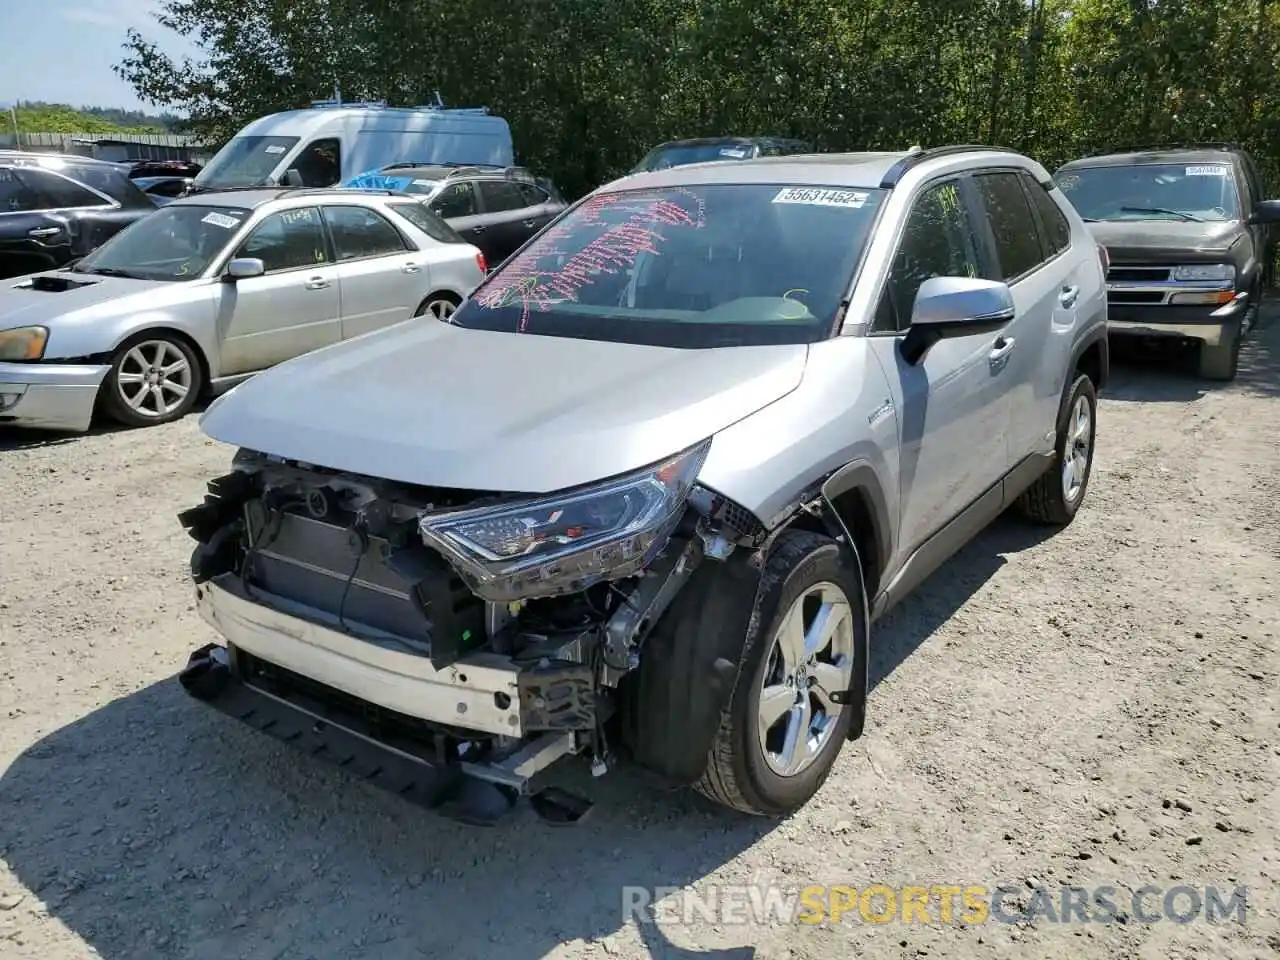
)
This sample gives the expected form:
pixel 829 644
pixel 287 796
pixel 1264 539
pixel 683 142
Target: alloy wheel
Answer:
pixel 810 659
pixel 1075 454
pixel 154 378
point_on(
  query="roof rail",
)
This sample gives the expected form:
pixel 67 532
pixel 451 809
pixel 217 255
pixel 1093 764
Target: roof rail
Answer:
pixel 917 156
pixel 1157 147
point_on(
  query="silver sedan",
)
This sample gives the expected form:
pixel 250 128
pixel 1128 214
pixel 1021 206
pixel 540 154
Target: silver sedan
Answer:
pixel 213 288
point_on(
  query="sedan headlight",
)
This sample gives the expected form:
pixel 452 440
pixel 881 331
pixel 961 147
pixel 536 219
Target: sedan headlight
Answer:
pixel 570 540
pixel 1204 271
pixel 23 343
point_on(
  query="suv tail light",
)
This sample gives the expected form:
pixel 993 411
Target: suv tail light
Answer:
pixel 1104 258
pixel 481 262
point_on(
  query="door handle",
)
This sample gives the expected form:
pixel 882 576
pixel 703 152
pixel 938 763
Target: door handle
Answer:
pixel 477 229
pixel 1068 296
pixel 1001 349
pixel 410 268
pixel 530 224
pixel 317 283
pixel 40 233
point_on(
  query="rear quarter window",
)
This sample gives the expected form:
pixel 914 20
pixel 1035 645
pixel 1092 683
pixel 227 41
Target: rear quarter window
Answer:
pixel 427 221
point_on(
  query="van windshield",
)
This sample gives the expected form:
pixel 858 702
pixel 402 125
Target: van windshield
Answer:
pixel 245 162
pixel 710 265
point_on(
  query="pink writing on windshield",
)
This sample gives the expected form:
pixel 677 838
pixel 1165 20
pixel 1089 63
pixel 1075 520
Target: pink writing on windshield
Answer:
pixel 529 281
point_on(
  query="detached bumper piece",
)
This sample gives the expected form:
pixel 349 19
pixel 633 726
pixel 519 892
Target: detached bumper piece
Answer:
pixel 374 744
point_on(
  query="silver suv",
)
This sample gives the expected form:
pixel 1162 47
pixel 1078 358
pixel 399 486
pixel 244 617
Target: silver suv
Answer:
pixel 653 481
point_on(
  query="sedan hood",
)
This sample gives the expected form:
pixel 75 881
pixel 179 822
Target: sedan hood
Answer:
pixel 429 403
pixel 1166 241
pixel 74 307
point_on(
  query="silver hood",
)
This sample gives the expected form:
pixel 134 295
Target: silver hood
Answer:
pixel 86 317
pixel 429 403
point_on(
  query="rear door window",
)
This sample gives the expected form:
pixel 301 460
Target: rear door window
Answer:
pixel 1055 230
pixel 359 232
pixel 1012 224
pixel 499 196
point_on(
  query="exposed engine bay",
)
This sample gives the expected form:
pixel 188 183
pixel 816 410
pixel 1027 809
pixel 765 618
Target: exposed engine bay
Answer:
pixel 466 622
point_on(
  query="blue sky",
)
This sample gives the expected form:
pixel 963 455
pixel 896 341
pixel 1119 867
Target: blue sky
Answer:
pixel 62 51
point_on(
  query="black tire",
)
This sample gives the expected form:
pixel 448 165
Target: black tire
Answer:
pixel 125 364
pixel 429 305
pixel 1221 362
pixel 1045 501
pixel 737 774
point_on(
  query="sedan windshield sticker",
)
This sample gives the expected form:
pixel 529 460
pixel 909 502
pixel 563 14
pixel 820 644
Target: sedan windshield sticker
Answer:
pixel 821 197
pixel 1214 171
pixel 220 220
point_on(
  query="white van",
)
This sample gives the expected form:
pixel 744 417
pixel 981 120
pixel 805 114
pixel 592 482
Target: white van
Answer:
pixel 332 142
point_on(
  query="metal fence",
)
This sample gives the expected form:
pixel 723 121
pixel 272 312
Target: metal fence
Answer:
pixel 122 146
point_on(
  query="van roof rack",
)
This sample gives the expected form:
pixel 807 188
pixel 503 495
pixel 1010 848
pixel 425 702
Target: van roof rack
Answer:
pixel 917 155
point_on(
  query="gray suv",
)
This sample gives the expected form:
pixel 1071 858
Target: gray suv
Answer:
pixel 654 480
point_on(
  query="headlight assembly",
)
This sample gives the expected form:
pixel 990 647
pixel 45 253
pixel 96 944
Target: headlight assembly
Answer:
pixel 23 343
pixel 1204 271
pixel 566 541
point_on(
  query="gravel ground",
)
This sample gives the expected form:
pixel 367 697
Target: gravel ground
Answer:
pixel 1095 708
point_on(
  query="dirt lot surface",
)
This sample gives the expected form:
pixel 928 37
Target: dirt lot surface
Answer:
pixel 1096 708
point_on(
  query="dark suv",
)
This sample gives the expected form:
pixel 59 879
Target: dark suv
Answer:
pixel 56 208
pixel 677 153
pixel 1187 234
pixel 495 208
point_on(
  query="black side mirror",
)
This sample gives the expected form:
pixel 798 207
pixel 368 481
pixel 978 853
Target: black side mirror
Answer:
pixel 292 178
pixel 1267 211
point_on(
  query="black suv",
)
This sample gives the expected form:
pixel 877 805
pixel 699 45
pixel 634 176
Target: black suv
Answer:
pixel 55 208
pixel 1188 238
pixel 677 153
pixel 495 208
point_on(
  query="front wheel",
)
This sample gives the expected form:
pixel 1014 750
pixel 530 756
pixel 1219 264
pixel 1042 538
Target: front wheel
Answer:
pixel 154 378
pixel 786 720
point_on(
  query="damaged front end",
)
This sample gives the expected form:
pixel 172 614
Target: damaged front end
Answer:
pixel 449 644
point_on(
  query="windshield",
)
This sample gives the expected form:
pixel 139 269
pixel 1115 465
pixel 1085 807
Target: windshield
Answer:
pixel 245 162
pixel 174 243
pixel 1152 191
pixel 679 154
pixel 703 266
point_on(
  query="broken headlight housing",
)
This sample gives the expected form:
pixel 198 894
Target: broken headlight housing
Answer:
pixel 566 541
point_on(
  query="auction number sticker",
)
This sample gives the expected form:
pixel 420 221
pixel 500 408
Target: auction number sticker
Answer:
pixel 736 152
pixel 820 197
pixel 220 220
pixel 1206 171
pixel 274 148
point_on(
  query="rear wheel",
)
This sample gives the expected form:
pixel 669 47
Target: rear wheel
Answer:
pixel 1057 495
pixel 785 725
pixel 439 305
pixel 154 378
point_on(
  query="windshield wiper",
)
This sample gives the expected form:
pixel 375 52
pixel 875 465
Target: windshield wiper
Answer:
pixel 110 272
pixel 1173 213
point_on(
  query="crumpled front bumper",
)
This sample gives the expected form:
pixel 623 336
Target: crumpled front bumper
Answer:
pixel 50 396
pixel 479 692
